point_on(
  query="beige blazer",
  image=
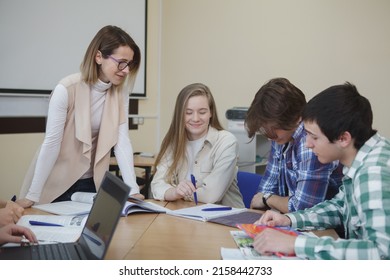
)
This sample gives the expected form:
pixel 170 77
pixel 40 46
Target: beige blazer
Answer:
pixel 75 152
pixel 215 170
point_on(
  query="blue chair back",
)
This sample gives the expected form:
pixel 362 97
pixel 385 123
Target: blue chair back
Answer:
pixel 248 184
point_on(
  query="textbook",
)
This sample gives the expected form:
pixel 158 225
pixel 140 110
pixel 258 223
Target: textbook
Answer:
pixel 205 212
pixel 80 204
pixel 252 230
pixel 54 228
pixel 135 205
pixel 245 244
pixel 245 250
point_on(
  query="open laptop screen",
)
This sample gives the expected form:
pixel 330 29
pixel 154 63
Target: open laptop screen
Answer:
pixel 100 226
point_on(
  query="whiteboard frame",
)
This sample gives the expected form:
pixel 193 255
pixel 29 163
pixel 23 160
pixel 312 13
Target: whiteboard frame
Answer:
pixel 30 61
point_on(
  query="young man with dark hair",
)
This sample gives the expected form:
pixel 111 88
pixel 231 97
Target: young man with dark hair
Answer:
pixel 338 122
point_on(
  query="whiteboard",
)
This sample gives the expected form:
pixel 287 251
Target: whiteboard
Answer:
pixel 42 41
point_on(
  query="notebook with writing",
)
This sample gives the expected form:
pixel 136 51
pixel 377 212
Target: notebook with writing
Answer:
pixel 97 232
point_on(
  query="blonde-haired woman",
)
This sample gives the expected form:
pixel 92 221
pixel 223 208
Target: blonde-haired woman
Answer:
pixel 87 118
pixel 196 144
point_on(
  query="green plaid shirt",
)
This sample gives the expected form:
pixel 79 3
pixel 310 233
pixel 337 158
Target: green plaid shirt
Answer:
pixel 362 206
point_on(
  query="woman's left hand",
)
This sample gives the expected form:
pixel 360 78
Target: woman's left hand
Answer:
pixel 138 195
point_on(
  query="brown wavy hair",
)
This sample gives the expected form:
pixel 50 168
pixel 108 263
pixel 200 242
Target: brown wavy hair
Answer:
pixel 278 104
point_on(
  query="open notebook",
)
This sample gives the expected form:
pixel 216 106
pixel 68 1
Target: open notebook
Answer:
pixel 81 204
pixel 198 212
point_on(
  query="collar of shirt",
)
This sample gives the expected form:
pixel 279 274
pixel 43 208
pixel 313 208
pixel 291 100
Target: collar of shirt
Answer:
pixel 370 144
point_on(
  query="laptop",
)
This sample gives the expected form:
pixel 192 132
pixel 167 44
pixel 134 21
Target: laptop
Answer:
pixel 97 232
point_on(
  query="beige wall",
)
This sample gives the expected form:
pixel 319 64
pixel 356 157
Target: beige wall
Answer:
pixel 235 46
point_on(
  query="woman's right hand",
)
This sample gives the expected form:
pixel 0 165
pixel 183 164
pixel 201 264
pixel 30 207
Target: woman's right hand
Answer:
pixel 185 189
pixel 25 203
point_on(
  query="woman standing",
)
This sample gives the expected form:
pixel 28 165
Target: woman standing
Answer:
pixel 88 115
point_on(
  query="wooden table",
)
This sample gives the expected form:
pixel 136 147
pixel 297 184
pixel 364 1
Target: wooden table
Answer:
pixel 151 236
pixel 166 237
pixel 170 237
pixel 127 234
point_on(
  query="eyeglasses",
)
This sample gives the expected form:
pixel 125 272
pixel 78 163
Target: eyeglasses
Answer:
pixel 121 64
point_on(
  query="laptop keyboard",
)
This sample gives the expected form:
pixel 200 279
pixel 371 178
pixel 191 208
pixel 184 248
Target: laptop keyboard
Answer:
pixel 58 251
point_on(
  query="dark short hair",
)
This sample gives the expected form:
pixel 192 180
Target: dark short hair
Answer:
pixel 278 102
pixel 341 108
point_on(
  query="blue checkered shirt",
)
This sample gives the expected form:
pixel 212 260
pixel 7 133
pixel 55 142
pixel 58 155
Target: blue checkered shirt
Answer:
pixel 297 173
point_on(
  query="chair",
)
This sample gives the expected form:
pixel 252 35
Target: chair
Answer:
pixel 248 184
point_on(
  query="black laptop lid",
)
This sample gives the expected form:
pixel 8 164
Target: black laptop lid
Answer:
pixel 104 216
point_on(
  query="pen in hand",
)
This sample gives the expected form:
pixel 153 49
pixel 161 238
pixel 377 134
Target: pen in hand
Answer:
pixel 38 223
pixel 195 194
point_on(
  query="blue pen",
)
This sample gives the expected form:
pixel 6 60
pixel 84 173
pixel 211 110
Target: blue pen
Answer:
pixel 195 194
pixel 38 223
pixel 223 208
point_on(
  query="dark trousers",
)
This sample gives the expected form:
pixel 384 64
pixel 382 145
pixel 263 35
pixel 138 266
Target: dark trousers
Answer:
pixel 82 185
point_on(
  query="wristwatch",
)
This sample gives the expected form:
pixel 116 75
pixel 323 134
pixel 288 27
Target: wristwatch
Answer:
pixel 265 198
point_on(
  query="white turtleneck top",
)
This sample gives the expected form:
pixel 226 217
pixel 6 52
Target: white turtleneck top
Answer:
pixel 54 131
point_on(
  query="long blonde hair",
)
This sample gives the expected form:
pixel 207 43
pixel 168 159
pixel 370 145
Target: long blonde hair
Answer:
pixel 176 138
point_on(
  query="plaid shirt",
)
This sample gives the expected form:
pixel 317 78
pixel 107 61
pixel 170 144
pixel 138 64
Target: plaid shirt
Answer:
pixel 362 206
pixel 297 173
